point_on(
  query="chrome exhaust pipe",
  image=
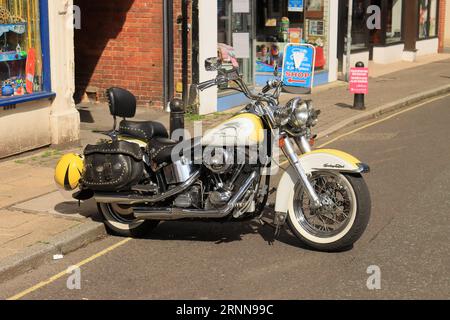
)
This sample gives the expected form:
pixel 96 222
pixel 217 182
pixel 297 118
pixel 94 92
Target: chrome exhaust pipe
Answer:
pixel 130 199
pixel 164 214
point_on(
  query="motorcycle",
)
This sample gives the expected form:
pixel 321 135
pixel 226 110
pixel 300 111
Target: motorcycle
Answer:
pixel 141 177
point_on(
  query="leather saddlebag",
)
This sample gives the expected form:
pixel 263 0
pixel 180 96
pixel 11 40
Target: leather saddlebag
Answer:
pixel 115 166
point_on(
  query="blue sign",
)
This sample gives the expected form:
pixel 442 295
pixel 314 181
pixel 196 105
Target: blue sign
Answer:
pixel 295 6
pixel 298 65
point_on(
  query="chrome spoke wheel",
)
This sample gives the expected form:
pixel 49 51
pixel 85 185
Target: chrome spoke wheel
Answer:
pixel 121 213
pixel 120 220
pixel 338 205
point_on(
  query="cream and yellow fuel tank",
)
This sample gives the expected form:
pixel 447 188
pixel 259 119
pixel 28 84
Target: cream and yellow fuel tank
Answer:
pixel 245 129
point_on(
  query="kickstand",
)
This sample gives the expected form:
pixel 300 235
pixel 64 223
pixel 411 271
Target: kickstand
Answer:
pixel 277 224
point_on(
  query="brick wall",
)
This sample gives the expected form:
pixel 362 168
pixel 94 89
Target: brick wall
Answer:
pixel 442 18
pixel 121 44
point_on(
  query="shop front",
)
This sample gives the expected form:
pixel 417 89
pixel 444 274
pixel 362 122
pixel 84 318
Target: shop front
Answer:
pixel 258 31
pixel 281 22
pixel 36 75
pixel 386 31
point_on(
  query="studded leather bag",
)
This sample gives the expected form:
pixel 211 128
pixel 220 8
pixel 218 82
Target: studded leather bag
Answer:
pixel 115 166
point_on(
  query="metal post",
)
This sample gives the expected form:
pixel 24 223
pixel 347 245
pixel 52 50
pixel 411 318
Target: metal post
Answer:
pixel 168 87
pixel 176 116
pixel 349 39
pixel 184 58
pixel 358 101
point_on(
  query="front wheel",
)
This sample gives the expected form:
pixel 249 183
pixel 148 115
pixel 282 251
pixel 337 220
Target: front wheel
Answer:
pixel 344 214
pixel 120 221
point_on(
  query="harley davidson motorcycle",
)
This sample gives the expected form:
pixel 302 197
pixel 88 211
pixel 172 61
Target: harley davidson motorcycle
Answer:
pixel 141 177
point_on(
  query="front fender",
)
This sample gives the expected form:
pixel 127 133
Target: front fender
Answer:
pixel 317 160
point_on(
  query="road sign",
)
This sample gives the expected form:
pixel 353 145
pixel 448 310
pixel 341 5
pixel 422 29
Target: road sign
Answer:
pixel 359 80
pixel 298 65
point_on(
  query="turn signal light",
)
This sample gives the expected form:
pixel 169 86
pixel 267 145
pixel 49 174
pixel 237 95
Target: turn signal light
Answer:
pixel 282 142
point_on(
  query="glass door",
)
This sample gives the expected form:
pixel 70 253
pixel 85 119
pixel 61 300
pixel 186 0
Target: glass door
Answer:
pixel 235 28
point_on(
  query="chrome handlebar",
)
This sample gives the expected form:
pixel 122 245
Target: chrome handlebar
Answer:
pixel 268 102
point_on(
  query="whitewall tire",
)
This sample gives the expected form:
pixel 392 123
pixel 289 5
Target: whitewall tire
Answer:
pixel 353 210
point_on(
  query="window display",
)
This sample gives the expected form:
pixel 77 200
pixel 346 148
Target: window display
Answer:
pixel 423 18
pixel 428 18
pixel 292 26
pixel 269 54
pixel 268 28
pixel 295 6
pixel 314 9
pixel 278 23
pixel 314 5
pixel 433 18
pixel 316 28
pixel 20 48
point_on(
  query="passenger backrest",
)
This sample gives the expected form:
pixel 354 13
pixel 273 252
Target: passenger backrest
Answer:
pixel 122 103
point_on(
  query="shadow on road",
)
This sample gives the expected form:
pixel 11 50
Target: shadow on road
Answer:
pixel 220 233
pixel 87 209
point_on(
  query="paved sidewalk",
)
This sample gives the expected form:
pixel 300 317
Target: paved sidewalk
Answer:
pixel 34 212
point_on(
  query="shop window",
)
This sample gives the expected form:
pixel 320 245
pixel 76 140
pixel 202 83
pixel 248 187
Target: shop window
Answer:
pixel 279 22
pixel 433 18
pixel 394 21
pixel 427 18
pixel 21 67
pixel 359 29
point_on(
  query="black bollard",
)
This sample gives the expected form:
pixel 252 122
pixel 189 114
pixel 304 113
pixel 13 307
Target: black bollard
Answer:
pixel 358 102
pixel 176 116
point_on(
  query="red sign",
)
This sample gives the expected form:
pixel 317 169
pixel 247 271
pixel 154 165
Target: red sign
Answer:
pixel 359 80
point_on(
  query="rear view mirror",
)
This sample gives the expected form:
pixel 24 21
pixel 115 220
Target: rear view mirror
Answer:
pixel 212 64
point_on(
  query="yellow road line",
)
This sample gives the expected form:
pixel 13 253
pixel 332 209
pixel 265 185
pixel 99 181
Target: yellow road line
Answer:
pixel 375 123
pixel 64 273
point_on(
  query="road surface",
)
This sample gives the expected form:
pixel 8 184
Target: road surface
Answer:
pixel 407 239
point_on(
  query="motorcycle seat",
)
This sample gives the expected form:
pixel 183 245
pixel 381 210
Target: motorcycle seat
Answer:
pixel 146 130
pixel 160 149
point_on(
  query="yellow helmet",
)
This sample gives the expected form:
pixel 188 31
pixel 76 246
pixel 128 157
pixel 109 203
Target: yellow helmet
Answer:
pixel 68 171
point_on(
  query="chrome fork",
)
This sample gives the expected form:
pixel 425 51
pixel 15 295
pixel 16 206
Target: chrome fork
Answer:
pixel 303 144
pixel 289 151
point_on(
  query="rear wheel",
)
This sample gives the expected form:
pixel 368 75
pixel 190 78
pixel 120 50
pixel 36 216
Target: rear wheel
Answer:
pixel 120 221
pixel 342 219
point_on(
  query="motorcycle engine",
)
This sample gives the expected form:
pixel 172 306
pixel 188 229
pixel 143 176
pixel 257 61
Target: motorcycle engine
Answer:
pixel 219 161
pixel 191 198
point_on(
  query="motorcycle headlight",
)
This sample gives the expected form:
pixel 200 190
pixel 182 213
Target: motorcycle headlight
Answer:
pixel 300 115
pixel 297 114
